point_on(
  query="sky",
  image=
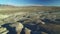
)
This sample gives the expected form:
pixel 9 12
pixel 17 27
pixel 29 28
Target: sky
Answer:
pixel 31 2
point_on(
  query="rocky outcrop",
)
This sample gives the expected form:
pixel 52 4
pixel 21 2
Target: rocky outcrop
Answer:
pixel 31 23
pixel 27 31
pixel 3 30
pixel 14 28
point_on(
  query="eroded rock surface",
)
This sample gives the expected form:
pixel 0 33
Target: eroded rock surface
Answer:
pixel 31 23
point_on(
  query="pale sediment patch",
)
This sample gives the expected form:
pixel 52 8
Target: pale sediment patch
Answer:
pixel 3 16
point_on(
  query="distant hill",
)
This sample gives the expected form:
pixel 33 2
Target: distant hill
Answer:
pixel 6 6
pixel 30 8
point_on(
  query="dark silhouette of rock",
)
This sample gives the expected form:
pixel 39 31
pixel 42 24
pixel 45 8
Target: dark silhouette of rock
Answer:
pixel 11 30
pixel 48 21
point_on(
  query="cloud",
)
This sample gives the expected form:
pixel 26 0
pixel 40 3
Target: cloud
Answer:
pixel 36 5
pixel 30 5
pixel 15 4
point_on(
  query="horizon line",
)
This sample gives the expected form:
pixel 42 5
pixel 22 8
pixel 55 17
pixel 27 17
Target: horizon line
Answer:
pixel 28 5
